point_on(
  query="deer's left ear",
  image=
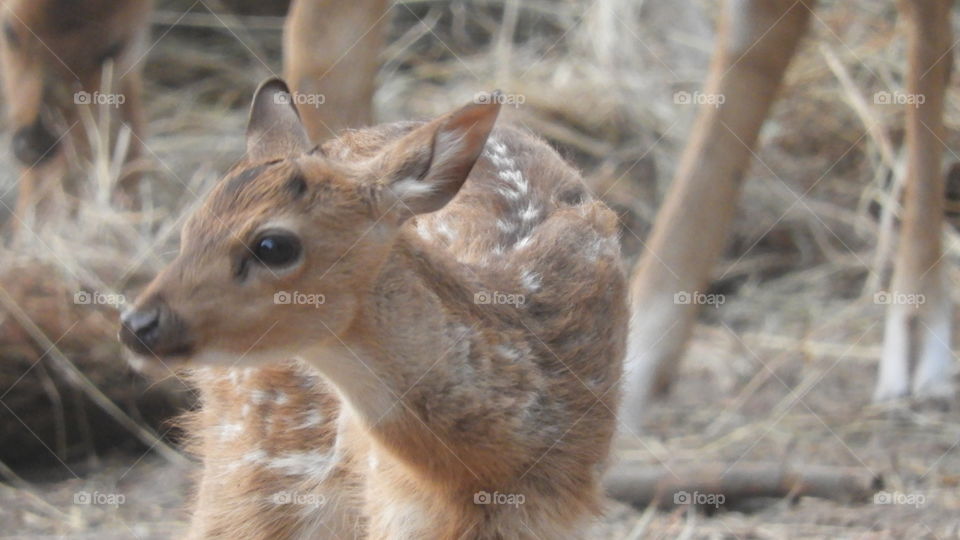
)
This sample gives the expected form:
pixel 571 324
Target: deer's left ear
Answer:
pixel 275 130
pixel 425 169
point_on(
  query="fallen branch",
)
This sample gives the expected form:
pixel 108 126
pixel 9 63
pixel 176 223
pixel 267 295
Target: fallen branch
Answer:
pixel 720 484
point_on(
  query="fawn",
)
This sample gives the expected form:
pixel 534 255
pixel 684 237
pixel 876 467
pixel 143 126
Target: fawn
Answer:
pixel 454 303
pixel 52 55
pixel 756 41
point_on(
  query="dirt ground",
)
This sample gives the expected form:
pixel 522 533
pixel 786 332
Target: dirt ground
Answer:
pixel 781 372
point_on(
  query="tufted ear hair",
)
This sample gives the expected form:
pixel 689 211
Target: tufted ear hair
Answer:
pixel 274 130
pixel 425 169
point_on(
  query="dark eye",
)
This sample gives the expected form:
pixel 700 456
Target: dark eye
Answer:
pixel 277 249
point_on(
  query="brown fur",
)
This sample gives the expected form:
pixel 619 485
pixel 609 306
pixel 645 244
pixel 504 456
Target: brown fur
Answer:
pixel 438 397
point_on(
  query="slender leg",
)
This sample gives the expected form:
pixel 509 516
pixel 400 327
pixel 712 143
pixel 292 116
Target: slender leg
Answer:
pixel 756 42
pixel 916 348
pixel 331 58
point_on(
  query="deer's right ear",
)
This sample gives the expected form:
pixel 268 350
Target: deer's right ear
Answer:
pixel 275 130
pixel 425 169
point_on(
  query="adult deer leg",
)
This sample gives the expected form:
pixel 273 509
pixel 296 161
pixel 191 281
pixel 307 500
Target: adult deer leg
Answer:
pixel 331 49
pixel 916 348
pixel 757 39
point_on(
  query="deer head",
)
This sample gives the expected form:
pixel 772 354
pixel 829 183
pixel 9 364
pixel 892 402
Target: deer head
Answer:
pixel 286 248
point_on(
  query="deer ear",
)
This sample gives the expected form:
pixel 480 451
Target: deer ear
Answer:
pixel 274 130
pixel 425 169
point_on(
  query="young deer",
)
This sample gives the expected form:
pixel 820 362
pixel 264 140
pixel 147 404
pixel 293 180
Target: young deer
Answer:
pixel 457 300
pixel 52 55
pixel 757 39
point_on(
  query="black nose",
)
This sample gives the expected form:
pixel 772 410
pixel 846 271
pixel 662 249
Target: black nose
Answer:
pixel 142 325
pixel 34 144
pixel 153 330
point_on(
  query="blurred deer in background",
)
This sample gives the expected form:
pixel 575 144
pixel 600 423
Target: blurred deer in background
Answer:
pixel 756 41
pixel 461 294
pixel 53 54
pixel 332 48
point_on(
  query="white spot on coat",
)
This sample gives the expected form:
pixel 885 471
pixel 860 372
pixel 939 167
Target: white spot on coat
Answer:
pixel 531 281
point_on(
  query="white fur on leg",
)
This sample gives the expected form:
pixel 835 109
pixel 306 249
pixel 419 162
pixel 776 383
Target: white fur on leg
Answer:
pixel 930 324
pixel 894 379
pixel 932 378
pixel 655 336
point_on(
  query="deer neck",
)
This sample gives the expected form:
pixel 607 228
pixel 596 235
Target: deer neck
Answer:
pixel 404 343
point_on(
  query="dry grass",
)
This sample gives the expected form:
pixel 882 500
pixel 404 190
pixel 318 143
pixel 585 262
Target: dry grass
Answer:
pixel 781 372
